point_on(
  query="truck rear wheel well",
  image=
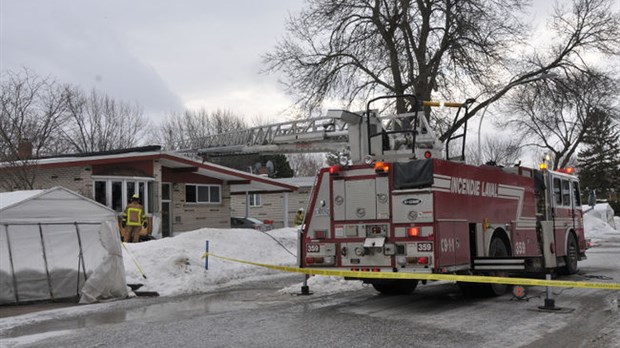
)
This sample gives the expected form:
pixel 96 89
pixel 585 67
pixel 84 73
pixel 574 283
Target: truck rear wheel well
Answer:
pixel 501 234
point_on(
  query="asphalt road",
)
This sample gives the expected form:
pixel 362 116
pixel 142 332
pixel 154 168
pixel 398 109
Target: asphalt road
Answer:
pixel 258 315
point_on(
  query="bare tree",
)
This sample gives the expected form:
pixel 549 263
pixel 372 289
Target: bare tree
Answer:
pixel 97 122
pixel 306 164
pixel 188 130
pixel 555 115
pixel 497 150
pixel 32 110
pixel 352 50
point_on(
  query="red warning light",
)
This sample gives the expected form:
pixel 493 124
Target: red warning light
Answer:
pixel 428 154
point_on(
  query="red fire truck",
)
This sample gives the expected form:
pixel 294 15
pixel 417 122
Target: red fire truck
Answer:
pixel 394 205
pixel 438 216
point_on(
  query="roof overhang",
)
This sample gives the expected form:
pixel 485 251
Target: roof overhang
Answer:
pixel 240 182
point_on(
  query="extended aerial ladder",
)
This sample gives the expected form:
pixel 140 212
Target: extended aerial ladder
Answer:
pixel 356 134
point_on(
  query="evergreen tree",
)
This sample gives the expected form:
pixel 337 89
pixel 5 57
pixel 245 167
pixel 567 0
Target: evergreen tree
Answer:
pixel 599 160
pixel 281 167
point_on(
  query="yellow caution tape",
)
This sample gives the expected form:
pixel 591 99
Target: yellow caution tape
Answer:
pixel 428 276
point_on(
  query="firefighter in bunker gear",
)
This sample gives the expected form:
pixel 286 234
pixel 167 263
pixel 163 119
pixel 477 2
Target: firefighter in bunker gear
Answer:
pixel 299 218
pixel 133 220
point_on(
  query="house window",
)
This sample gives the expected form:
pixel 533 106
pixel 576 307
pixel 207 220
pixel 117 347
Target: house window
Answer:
pixel 203 193
pixel 115 192
pixel 255 200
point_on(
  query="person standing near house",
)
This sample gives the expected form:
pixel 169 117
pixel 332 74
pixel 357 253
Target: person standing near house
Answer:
pixel 134 219
pixel 299 217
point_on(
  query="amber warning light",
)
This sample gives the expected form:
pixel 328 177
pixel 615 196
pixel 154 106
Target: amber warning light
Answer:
pixel 381 168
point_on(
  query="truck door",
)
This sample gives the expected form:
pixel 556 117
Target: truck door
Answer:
pixel 453 243
pixel 563 212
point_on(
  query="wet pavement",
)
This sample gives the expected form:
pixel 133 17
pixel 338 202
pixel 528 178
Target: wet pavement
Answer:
pixel 249 296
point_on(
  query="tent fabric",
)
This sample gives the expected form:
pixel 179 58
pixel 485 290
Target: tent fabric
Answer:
pixel 58 244
pixel 112 267
pixel 54 205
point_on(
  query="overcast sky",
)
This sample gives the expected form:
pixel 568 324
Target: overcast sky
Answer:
pixel 166 55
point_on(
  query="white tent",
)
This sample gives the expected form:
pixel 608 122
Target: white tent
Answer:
pixel 56 244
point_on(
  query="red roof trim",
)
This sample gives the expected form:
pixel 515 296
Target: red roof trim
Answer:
pixel 85 161
pixel 229 172
pixel 128 158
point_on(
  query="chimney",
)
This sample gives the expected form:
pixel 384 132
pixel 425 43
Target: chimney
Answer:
pixel 24 150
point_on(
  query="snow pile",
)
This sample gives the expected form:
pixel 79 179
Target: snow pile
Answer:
pixel 595 228
pixel 175 266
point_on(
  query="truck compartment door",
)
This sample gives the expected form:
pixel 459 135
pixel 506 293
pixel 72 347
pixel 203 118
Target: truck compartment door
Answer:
pixel 361 197
pixel 453 243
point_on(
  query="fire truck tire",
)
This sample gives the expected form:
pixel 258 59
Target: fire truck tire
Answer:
pixel 572 251
pixel 497 248
pixel 396 287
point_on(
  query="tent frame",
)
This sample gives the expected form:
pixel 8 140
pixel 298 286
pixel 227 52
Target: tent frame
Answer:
pixel 49 278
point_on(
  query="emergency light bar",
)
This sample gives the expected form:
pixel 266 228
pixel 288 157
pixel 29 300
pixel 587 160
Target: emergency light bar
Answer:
pixel 567 170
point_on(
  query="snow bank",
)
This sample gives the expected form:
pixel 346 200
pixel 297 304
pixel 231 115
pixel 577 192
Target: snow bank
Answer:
pixel 596 229
pixel 174 266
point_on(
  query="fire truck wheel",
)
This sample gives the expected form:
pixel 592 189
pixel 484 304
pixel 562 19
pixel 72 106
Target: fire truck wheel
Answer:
pixel 571 255
pixel 497 249
pixel 396 287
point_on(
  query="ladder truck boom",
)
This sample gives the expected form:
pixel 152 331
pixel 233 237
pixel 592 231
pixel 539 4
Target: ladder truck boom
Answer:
pixel 356 133
pixel 320 134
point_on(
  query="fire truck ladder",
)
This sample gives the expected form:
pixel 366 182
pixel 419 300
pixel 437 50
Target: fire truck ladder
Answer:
pixel 328 133
pixel 320 134
pixel 337 131
pixel 465 106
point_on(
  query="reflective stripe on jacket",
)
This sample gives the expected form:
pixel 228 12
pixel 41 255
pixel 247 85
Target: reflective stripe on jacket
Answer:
pixel 134 215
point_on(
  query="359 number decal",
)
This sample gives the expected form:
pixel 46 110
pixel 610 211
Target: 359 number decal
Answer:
pixel 425 246
pixel 313 248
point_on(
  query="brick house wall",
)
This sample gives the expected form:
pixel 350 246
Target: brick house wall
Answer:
pixel 272 206
pixel 191 216
pixel 75 178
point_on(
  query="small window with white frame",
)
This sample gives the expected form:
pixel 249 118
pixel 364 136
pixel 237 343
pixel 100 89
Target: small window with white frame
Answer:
pixel 195 193
pixel 255 200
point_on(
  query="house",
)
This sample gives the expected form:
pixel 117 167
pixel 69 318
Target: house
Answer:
pixel 179 193
pixel 278 207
